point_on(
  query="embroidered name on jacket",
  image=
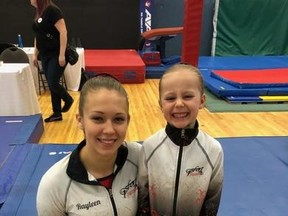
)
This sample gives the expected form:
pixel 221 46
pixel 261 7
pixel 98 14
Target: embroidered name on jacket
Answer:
pixel 129 189
pixel 88 205
pixel 195 171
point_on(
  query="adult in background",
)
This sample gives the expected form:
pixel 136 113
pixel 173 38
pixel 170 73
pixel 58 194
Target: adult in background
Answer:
pixel 50 45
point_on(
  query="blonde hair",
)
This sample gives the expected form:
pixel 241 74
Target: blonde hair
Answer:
pixel 183 67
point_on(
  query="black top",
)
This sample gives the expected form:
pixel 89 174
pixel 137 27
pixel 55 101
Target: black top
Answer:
pixel 77 171
pixel 182 136
pixel 47 36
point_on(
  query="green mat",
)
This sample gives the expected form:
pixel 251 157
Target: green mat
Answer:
pixel 215 104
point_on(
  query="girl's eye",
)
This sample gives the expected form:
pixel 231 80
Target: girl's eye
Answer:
pixel 98 119
pixel 170 98
pixel 119 120
pixel 188 96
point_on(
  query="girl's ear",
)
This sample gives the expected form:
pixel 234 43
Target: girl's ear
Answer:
pixel 159 102
pixel 79 121
pixel 203 100
pixel 128 119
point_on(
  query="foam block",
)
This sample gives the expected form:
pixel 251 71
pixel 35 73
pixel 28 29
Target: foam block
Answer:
pixel 125 65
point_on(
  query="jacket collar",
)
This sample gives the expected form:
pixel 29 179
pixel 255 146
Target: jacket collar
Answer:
pixel 76 170
pixel 182 136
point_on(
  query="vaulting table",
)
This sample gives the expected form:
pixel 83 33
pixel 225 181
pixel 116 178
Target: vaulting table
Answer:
pixel 17 91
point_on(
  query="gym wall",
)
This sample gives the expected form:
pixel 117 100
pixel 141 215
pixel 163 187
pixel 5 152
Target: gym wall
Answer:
pixel 171 14
pixel 252 28
pixel 101 24
pixel 105 23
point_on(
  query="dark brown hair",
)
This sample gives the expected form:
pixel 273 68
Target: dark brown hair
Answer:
pixel 41 6
pixel 101 82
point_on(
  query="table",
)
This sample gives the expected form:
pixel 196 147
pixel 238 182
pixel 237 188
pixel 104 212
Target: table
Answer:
pixel 18 96
pixel 72 72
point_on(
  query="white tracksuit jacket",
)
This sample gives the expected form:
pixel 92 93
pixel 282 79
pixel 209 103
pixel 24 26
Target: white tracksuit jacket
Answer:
pixel 66 190
pixel 184 178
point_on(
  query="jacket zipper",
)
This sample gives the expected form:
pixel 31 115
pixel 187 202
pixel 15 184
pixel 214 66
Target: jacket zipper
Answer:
pixel 178 175
pixel 112 201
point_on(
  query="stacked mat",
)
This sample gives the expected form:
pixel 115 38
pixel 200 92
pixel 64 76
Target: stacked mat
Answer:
pixel 245 79
pixel 125 65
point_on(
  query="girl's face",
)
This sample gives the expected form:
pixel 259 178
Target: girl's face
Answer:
pixel 33 3
pixel 181 98
pixel 105 121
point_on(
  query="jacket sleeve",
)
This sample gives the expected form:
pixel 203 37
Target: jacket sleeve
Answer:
pixel 50 200
pixel 143 186
pixel 213 196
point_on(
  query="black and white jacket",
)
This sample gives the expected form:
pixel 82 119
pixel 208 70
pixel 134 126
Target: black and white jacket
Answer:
pixel 66 190
pixel 180 173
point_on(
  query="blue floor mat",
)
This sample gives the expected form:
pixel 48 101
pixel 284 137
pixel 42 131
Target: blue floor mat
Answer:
pixel 37 162
pixel 15 133
pixel 255 177
pixel 11 167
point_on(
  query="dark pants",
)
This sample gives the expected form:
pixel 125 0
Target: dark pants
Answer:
pixel 53 72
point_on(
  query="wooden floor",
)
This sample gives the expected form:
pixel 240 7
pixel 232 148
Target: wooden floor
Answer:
pixel 146 118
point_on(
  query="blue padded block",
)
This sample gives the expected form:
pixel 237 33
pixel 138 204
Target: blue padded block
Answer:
pixel 21 129
pixel 171 60
pixel 155 72
pixel 242 62
pixel 223 89
pixel 238 99
pixel 276 91
pixel 245 85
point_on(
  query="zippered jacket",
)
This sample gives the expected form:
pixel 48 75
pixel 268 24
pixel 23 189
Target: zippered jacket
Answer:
pixel 66 190
pixel 180 177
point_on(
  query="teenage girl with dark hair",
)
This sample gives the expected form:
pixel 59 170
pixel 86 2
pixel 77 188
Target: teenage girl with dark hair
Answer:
pixel 100 176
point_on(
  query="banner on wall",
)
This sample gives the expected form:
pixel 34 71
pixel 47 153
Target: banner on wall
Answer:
pixel 145 15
